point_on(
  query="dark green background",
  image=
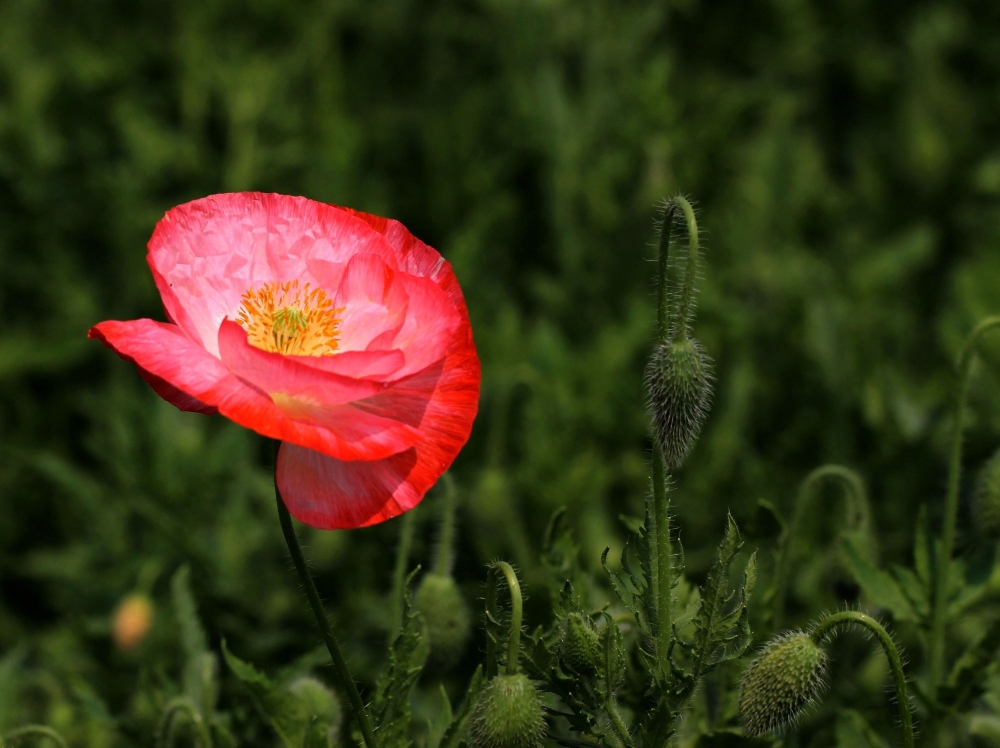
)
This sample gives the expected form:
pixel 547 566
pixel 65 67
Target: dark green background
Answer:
pixel 845 159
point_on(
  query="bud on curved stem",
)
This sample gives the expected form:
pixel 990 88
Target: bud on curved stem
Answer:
pixel 40 731
pixel 849 618
pixel 943 567
pixel 340 664
pixel 858 513
pixel 516 611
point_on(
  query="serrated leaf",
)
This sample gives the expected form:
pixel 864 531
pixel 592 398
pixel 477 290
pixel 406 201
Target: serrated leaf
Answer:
pixel 880 587
pixel 391 710
pixel 914 590
pixel 456 731
pixel 442 721
pixel 288 714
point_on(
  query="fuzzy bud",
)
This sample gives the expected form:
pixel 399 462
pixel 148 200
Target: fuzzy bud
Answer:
pixel 580 649
pixel 132 621
pixel 784 679
pixel 507 714
pixel 446 616
pixel 679 391
pixel 986 500
pixel 320 701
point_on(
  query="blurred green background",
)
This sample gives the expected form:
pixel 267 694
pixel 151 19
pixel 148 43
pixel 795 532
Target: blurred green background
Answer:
pixel 845 160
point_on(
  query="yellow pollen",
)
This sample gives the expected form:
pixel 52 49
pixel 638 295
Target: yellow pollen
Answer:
pixel 284 318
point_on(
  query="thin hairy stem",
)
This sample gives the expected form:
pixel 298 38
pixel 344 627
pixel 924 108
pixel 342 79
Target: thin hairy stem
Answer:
pixel 616 720
pixel 690 273
pixel 346 679
pixel 942 569
pixel 27 731
pixel 662 560
pixel 857 519
pixel 399 571
pixel 663 295
pixel 185 707
pixel 443 561
pixel 849 618
pixel 516 614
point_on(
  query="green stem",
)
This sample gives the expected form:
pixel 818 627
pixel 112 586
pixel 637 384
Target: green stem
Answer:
pixel 851 617
pixel 183 706
pixel 516 613
pixel 663 295
pixel 28 730
pixel 442 564
pixel 662 561
pixel 942 569
pixel 399 572
pixel 616 721
pixel 690 273
pixel 857 519
pixel 346 679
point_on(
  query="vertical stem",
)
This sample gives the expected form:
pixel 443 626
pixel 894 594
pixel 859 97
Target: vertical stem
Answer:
pixel 851 617
pixel 442 564
pixel 690 273
pixel 346 679
pixel 942 569
pixel 516 612
pixel 663 560
pixel 399 572
pixel 663 296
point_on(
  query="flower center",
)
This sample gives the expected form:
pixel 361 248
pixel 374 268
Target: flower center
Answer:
pixel 286 318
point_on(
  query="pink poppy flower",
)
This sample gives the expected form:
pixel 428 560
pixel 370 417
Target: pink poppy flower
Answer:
pixel 334 331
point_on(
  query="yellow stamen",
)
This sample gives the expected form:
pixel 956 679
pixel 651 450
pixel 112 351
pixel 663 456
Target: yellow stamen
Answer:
pixel 283 318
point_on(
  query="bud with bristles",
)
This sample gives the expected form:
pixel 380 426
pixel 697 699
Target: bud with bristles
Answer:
pixel 781 682
pixel 986 500
pixel 446 616
pixel 580 648
pixel 507 714
pixel 679 391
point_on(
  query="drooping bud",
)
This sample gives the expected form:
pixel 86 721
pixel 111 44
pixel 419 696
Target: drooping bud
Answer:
pixel 781 682
pixel 446 616
pixel 679 392
pixel 132 621
pixel 507 714
pixel 580 648
pixel 986 500
pixel 320 702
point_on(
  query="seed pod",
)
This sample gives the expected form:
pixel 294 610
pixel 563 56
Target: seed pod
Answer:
pixel 986 499
pixel 318 699
pixel 132 621
pixel 447 618
pixel 679 392
pixel 580 649
pixel 507 714
pixel 781 682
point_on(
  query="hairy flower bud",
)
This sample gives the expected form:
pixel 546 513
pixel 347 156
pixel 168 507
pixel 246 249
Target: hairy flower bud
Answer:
pixel 132 621
pixel 679 391
pixel 580 649
pixel 784 679
pixel 986 500
pixel 319 701
pixel 446 615
pixel 507 714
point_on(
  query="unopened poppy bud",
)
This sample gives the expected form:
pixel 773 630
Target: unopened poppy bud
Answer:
pixel 679 391
pixel 986 500
pixel 614 650
pixel 319 700
pixel 580 648
pixel 132 621
pixel 781 682
pixel 507 714
pixel 446 615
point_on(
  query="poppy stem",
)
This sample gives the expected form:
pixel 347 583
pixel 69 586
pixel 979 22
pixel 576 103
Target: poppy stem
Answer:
pixel 346 679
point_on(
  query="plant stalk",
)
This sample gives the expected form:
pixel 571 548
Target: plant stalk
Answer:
pixel 399 571
pixel 443 561
pixel 346 679
pixel 516 614
pixel 690 273
pixel 850 617
pixel 942 569
pixel 37 730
